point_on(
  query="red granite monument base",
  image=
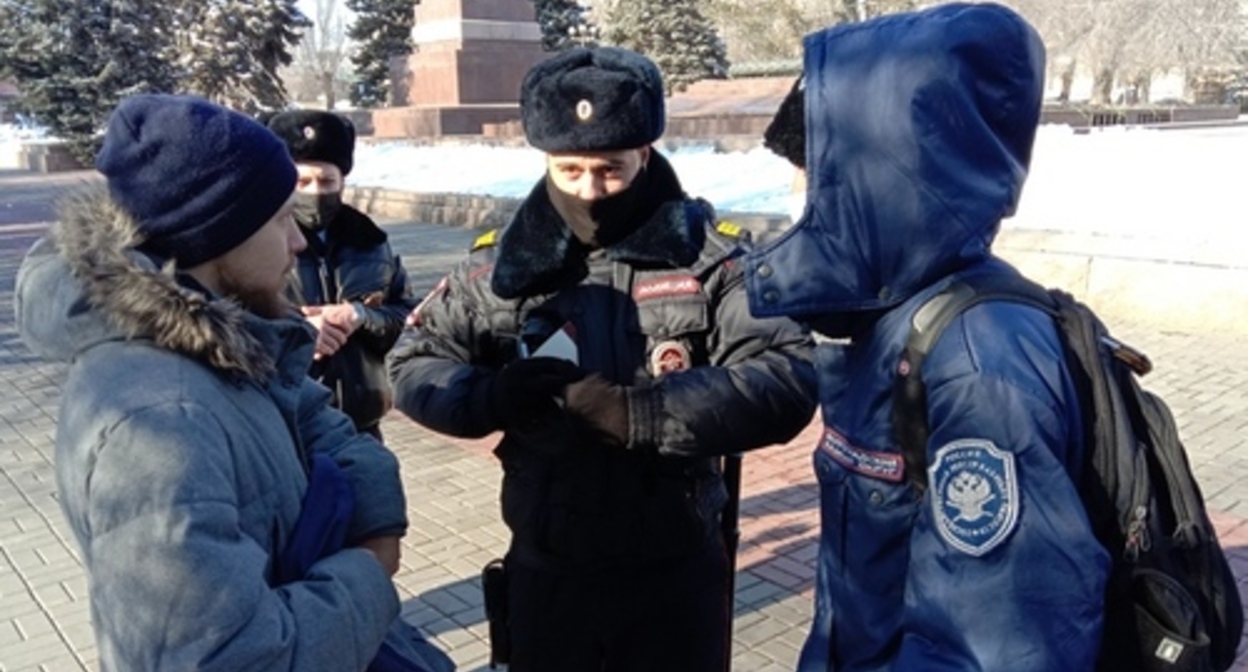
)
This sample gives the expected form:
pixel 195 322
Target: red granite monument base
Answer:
pixel 468 59
pixel 434 121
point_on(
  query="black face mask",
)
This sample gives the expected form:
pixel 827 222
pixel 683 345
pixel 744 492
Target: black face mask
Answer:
pixel 605 221
pixel 315 211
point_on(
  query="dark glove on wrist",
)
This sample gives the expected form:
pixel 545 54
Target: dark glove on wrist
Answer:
pixel 601 406
pixel 528 392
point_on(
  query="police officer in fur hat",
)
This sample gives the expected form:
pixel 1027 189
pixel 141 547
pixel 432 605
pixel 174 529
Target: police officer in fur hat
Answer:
pixel 605 333
pixel 350 284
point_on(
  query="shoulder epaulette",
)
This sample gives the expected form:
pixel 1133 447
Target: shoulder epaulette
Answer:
pixel 487 239
pixel 728 229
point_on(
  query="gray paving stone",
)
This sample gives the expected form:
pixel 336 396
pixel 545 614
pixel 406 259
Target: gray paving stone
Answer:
pixel 457 637
pixel 470 617
pixel 51 574
pixel 34 625
pixel 746 617
pixel 464 568
pixel 54 596
pixel 32 652
pixel 9 634
pixel 62 663
pixel 773 666
pixel 79 635
pixel 16 605
pixel 764 630
pixel 749 659
pixel 444 602
pixel 762 593
pixel 779 651
pixel 469 592
pixel 423 616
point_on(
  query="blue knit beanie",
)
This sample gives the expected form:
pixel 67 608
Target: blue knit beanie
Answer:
pixel 197 178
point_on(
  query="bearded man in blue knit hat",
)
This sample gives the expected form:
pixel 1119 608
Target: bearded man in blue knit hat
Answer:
pixel 605 332
pixel 228 518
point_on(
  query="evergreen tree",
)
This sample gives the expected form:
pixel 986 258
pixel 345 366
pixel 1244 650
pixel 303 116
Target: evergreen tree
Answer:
pixel 230 50
pixel 382 30
pixel 278 28
pixel 675 34
pixel 74 60
pixel 564 24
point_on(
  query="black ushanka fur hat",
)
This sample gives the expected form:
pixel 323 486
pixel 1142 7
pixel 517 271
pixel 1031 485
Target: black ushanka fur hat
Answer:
pixel 593 99
pixel 315 135
pixel 786 134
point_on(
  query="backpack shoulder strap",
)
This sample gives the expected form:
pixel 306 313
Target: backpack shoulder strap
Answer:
pixel 909 412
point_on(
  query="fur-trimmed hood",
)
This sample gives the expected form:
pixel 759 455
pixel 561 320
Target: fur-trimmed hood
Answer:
pixel 84 284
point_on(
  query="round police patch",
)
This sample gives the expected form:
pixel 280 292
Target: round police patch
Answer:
pixel 974 495
pixel 669 356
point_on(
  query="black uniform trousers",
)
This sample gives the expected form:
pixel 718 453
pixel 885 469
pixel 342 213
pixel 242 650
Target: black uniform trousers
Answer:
pixel 653 617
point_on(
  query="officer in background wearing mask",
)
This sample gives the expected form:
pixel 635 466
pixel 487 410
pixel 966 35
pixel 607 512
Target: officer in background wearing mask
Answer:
pixel 350 284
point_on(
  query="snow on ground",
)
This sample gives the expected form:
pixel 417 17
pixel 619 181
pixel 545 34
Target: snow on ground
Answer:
pixel 754 181
pixel 1139 182
pixel 10 133
pixel 12 136
pixel 1118 181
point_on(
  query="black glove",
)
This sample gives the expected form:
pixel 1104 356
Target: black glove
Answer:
pixel 601 406
pixel 528 393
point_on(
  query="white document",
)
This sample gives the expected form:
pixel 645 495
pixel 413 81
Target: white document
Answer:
pixel 560 345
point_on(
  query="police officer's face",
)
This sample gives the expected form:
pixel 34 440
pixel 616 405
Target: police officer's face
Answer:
pixel 595 175
pixel 318 177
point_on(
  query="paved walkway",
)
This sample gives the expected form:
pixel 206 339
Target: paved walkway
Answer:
pixel 452 488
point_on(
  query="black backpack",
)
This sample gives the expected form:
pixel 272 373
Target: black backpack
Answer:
pixel 1171 603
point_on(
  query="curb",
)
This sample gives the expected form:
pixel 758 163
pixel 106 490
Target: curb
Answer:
pixel 449 209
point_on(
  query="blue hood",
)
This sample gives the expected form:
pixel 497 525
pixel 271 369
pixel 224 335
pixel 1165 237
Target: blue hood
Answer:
pixel 919 134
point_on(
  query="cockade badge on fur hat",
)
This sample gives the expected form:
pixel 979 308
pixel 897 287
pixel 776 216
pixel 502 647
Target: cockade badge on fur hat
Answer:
pixel 315 135
pixel 197 178
pixel 593 100
pixel 584 110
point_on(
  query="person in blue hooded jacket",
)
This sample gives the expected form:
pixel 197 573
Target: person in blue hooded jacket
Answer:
pixel 919 132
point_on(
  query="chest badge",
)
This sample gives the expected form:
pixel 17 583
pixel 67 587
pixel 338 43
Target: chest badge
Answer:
pixel 667 287
pixel 974 495
pixel 669 356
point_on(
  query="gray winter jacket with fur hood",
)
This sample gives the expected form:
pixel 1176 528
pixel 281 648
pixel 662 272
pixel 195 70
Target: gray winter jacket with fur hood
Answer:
pixel 181 447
